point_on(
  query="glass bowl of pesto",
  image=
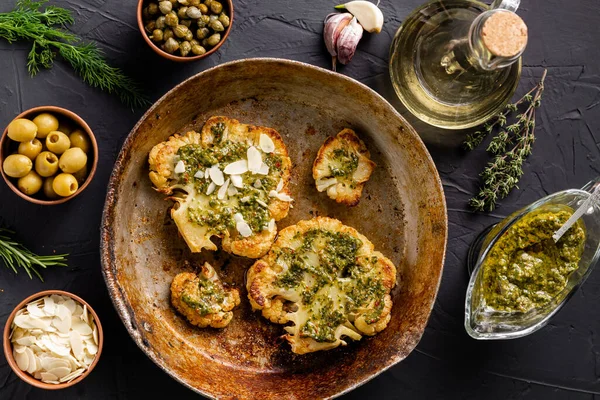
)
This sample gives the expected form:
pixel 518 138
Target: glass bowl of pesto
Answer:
pixel 522 277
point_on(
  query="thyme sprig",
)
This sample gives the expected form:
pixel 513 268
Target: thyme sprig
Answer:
pixel 511 146
pixel 46 30
pixel 16 256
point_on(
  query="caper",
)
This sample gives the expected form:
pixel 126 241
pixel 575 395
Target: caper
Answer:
pixel 216 26
pixel 202 33
pixel 157 35
pixel 194 42
pixel 171 19
pixel 174 2
pixel 165 6
pixel 160 22
pixel 168 34
pixel 186 22
pixel 150 26
pixel 203 21
pixel 145 14
pixel 213 39
pixel 184 48
pixel 193 12
pixel 203 8
pixel 207 2
pixel 153 9
pixel 189 35
pixel 180 31
pixel 181 13
pixel 171 46
pixel 216 7
pixel 194 2
pixel 224 19
pixel 212 17
pixel 198 50
pixel 183 2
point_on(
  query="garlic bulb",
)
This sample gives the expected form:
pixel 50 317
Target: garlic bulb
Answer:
pixel 341 33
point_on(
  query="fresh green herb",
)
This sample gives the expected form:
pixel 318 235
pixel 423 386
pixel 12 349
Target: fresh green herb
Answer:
pixel 511 146
pixel 15 255
pixel 46 30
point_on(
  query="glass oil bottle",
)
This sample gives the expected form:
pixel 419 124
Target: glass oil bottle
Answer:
pixel 456 63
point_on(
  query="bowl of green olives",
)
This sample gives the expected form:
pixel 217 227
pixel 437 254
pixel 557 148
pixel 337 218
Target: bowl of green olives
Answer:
pixel 185 30
pixel 48 155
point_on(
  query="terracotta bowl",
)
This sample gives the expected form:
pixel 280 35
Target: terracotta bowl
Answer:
pixel 8 352
pixel 402 211
pixel 227 5
pixel 7 147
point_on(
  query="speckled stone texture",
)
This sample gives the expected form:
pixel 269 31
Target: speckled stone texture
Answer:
pixel 561 361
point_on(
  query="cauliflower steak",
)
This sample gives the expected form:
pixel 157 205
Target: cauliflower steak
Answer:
pixel 203 299
pixel 342 167
pixel 326 282
pixel 231 181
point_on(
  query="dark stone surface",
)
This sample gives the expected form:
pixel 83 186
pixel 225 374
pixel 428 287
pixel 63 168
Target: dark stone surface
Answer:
pixel 561 361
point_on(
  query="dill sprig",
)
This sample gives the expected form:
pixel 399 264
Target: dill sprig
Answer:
pixel 46 30
pixel 16 256
pixel 511 146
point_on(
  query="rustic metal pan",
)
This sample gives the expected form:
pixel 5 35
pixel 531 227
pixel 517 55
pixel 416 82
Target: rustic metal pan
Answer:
pixel 402 211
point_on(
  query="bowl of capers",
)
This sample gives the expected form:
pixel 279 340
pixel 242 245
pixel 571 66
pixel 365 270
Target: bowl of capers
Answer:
pixel 48 155
pixel 185 30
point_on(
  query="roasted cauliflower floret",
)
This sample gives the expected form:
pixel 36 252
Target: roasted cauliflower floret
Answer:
pixel 342 167
pixel 230 181
pixel 202 299
pixel 326 282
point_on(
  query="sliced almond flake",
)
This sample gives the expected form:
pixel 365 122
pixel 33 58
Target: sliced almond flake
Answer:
pixel 236 168
pixel 211 188
pixel 23 321
pixel 63 326
pixel 207 173
pixel 216 175
pixel 243 228
pixel 60 372
pixel 280 196
pixel 257 184
pixel 95 334
pixel 76 343
pixel 40 323
pixel 57 299
pixel 62 312
pixel 81 327
pixel 84 315
pixel 32 367
pixel 22 359
pixel 19 349
pixel 231 191
pixel 180 167
pixel 245 199
pixel 35 311
pixel 279 185
pixel 17 333
pixel 262 203
pixel 237 181
pixel 37 375
pixel 49 363
pixel 26 340
pixel 92 349
pixel 47 376
pixel 238 217
pixel 266 143
pixel 78 311
pixel 199 174
pixel 88 360
pixel 272 225
pixel 72 375
pixel 264 169
pixel 223 190
pixel 254 159
pixel 71 305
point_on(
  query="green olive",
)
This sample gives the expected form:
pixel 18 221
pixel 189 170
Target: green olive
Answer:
pixel 157 35
pixel 182 12
pixel 216 7
pixel 57 142
pixel 153 9
pixel 198 50
pixel 168 34
pixel 46 164
pixel 30 149
pixel 47 188
pixel 72 160
pixel 160 22
pixel 171 19
pixel 224 19
pixel 171 46
pixel 216 26
pixel 30 184
pixel 202 33
pixel 203 8
pixel 17 165
pixel 81 175
pixel 79 139
pixel 46 123
pixel 22 130
pixel 184 48
pixel 165 6
pixel 214 39
pixel 65 185
pixel 180 31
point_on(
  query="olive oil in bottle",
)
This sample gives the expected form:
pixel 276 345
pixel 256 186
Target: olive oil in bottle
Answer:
pixel 456 63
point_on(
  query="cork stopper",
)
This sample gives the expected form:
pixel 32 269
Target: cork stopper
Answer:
pixel 504 34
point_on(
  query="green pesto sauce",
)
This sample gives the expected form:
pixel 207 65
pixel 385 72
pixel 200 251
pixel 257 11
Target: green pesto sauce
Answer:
pixel 220 215
pixel 526 269
pixel 346 163
pixel 204 297
pixel 338 266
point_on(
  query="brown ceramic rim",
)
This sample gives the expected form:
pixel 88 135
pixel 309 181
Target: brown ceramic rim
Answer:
pixel 5 140
pixel 8 347
pixel 107 247
pixel 171 57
